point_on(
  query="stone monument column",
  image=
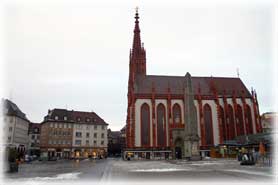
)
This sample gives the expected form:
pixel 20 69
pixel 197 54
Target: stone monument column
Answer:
pixel 191 138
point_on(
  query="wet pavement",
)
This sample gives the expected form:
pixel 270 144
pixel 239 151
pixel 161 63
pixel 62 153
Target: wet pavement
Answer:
pixel 117 170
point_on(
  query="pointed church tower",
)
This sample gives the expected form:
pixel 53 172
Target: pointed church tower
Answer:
pixel 138 53
pixel 137 66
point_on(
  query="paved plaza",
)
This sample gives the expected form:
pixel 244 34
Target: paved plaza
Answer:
pixel 115 169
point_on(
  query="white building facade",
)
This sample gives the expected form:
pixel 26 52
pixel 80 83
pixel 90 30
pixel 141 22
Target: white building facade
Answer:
pixel 15 127
pixel 89 139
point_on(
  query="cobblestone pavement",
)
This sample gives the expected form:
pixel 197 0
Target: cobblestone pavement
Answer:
pixel 117 170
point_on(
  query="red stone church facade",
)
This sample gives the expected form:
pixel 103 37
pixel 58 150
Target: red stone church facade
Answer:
pixel 224 108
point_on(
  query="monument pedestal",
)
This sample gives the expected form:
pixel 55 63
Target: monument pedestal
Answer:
pixel 191 147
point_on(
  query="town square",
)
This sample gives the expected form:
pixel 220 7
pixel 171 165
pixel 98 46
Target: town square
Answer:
pixel 118 170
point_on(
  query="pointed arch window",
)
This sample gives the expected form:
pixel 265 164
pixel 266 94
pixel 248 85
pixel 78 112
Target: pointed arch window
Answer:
pixel 145 125
pixel 249 123
pixel 161 125
pixel 208 125
pixel 176 114
pixel 230 123
pixel 239 121
pixel 222 121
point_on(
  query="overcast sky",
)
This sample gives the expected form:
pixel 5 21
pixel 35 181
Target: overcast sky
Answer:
pixel 75 55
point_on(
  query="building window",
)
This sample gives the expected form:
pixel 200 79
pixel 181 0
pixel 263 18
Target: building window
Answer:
pixel 79 126
pixel 249 123
pixel 51 125
pixel 88 127
pixel 54 142
pixel 95 142
pixel 87 142
pixel 102 135
pixel 87 134
pixel 95 135
pixel 77 142
pixel 56 125
pixel 78 134
pixel 145 125
pixel 9 139
pixel 38 137
pixel 239 118
pixel 49 142
pixel 102 142
pixel 65 125
pixel 33 136
pixel 222 121
pixel 230 123
pixel 177 114
pixel 208 125
pixel 69 125
pixel 10 129
pixel 95 127
pixel 102 127
pixel 65 118
pixel 61 125
pixel 78 119
pixel 88 119
pixel 56 117
pixel 161 125
pixel 69 142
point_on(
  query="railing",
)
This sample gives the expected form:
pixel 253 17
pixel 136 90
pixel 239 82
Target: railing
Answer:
pixel 265 160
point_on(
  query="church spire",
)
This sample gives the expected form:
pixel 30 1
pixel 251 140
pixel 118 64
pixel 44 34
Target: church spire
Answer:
pixel 138 54
pixel 136 38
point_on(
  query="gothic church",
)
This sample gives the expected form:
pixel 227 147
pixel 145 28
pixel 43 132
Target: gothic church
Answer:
pixel 183 116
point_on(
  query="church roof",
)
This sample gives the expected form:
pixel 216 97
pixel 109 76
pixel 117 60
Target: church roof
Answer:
pixel 144 85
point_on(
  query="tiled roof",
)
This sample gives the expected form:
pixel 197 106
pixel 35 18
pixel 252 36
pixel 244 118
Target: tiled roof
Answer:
pixel 176 84
pixel 11 109
pixel 74 116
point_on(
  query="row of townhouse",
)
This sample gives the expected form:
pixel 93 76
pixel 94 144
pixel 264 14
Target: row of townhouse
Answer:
pixel 63 133
pixel 69 133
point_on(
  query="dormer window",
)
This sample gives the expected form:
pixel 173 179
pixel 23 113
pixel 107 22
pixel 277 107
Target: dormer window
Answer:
pixel 88 119
pixel 78 119
pixel 56 117
pixel 65 118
